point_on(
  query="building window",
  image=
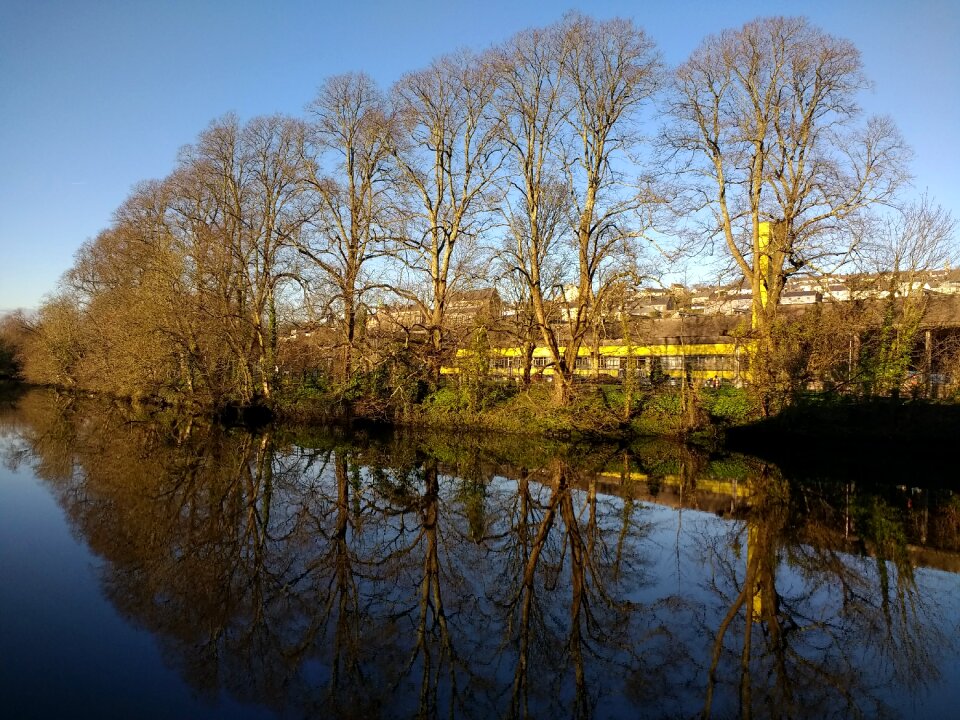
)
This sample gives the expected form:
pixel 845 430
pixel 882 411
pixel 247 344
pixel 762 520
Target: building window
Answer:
pixel 671 362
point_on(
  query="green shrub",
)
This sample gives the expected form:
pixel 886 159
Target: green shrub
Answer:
pixel 729 405
pixel 445 399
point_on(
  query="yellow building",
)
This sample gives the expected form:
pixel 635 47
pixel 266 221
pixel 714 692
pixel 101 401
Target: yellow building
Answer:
pixel 702 349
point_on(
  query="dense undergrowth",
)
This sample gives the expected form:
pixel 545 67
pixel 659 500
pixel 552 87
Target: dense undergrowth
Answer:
pixel 594 410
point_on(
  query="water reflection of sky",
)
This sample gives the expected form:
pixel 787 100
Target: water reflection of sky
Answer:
pixel 65 651
pixel 231 576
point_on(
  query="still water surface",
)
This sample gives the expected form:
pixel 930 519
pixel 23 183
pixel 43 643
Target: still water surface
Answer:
pixel 163 568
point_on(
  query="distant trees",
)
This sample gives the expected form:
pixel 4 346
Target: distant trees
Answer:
pixel 12 327
pixel 177 299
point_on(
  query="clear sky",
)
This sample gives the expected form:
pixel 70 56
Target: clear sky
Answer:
pixel 96 95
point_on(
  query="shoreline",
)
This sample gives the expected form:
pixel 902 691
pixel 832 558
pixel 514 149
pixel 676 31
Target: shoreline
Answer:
pixel 839 424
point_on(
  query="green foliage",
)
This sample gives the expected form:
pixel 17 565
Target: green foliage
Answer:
pixel 729 405
pixel 666 403
pixel 730 468
pixel 885 357
pixel 474 370
pixel 365 385
pixel 669 410
pixel 616 397
pixel 445 399
pixel 881 528
pixel 310 386
pixel 506 407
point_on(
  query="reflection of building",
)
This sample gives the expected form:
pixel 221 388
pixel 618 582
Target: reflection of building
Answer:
pixel 732 487
pixel 733 496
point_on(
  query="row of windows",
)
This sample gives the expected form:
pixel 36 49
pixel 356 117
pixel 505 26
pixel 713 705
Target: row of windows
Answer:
pixel 647 364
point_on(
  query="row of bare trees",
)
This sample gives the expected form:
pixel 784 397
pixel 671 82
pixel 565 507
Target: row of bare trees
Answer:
pixel 538 162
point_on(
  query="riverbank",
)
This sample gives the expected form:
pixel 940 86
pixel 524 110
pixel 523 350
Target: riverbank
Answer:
pixel 599 413
pixel 854 431
pixel 595 411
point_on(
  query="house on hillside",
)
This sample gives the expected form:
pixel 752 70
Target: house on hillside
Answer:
pixel 648 304
pixel 728 302
pixel 462 309
pixel 470 307
pixel 800 297
pixel 949 283
pixel 397 317
pixel 836 292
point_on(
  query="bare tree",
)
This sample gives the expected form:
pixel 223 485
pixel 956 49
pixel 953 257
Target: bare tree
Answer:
pixel 766 129
pixel 246 209
pixel 279 174
pixel 908 243
pixel 569 100
pixel 531 104
pixel 612 70
pixel 448 153
pixel 520 320
pixel 899 250
pixel 354 183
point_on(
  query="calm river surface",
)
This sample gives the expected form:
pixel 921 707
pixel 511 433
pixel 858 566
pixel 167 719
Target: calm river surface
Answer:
pixel 178 570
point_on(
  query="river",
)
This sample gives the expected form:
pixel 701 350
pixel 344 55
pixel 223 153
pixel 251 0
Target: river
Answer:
pixel 168 567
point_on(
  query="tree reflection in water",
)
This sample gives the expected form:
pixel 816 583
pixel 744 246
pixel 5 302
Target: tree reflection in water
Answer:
pixel 810 630
pixel 363 577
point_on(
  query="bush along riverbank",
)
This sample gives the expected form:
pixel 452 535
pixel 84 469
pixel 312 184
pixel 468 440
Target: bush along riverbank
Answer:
pixel 598 411
pixel 594 411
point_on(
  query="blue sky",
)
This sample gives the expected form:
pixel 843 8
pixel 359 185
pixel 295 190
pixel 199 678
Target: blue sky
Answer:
pixel 98 95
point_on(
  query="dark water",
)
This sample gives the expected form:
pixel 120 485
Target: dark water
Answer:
pixel 174 569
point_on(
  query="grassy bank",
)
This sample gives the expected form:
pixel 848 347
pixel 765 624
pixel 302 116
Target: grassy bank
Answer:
pixel 596 411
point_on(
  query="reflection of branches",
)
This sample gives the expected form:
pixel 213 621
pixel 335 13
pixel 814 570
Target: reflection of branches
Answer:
pixel 562 545
pixel 431 615
pixel 336 597
pixel 358 578
pixel 811 649
pixel 526 594
pixel 580 599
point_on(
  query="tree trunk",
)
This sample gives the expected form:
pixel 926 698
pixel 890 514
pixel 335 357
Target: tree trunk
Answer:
pixel 528 348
